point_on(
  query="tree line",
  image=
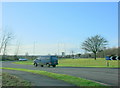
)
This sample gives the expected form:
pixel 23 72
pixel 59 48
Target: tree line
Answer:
pixel 103 54
pixel 94 45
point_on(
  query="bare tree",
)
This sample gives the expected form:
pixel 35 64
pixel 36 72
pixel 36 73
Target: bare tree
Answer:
pixel 94 44
pixel 6 38
pixel 2 43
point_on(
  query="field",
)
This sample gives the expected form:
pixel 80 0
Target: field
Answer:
pixel 89 62
pixel 100 62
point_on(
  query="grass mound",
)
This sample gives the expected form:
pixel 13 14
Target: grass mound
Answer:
pixel 11 80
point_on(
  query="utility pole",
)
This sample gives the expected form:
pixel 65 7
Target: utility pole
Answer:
pixel 17 48
pixel 34 48
pixel 58 49
pixel 64 49
pixel 72 54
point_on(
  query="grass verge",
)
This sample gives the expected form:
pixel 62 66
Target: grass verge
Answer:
pixel 11 80
pixel 67 78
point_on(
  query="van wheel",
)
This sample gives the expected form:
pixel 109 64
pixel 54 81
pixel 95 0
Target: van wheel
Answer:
pixel 41 65
pixel 35 64
pixel 54 65
pixel 48 65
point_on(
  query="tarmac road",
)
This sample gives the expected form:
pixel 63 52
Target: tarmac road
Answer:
pixel 107 76
pixel 36 79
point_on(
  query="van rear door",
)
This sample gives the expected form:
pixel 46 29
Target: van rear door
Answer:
pixel 54 60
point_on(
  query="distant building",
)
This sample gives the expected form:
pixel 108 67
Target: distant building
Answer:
pixel 63 54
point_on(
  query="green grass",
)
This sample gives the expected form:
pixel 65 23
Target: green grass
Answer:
pixel 100 62
pixel 29 62
pixel 11 80
pixel 67 78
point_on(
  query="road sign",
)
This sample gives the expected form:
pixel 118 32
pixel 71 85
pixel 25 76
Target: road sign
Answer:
pixel 112 57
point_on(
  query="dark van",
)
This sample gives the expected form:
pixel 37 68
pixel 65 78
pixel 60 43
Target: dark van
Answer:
pixel 46 60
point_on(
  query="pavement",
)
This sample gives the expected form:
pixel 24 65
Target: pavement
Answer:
pixel 107 76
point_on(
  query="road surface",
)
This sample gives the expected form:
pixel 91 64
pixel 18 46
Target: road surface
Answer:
pixel 37 80
pixel 107 76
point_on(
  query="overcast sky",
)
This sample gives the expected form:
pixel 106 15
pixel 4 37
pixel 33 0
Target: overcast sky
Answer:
pixel 53 27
